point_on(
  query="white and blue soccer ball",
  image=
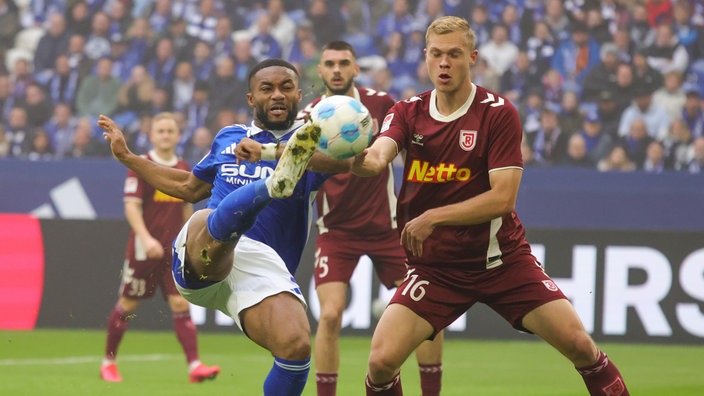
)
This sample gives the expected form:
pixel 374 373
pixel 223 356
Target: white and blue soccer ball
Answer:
pixel 346 126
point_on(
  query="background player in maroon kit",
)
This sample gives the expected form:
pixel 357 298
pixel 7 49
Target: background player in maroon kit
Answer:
pixel 464 241
pixel 155 219
pixel 357 217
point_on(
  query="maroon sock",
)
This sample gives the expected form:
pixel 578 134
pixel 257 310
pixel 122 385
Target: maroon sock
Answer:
pixel 326 384
pixel 603 378
pixel 118 322
pixel 392 388
pixel 187 335
pixel 430 379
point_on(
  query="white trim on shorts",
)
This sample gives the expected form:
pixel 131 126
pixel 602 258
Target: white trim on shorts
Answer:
pixel 257 272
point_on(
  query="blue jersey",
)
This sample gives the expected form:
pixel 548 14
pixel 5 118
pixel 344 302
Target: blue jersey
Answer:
pixel 284 223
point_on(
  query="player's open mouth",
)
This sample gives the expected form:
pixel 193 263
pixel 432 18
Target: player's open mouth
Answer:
pixel 444 77
pixel 278 110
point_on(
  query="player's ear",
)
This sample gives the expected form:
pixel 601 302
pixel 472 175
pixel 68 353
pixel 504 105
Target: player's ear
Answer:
pixel 473 57
pixel 250 99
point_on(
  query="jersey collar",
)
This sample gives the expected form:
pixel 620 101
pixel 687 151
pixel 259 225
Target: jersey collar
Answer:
pixel 170 162
pixel 255 130
pixel 457 113
pixel 356 95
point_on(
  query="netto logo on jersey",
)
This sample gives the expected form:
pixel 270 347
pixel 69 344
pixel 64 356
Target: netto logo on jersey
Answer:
pixel 423 172
pixel 163 197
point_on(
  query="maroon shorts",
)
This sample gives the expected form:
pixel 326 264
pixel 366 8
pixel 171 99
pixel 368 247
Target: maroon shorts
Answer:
pixel 337 255
pixel 440 295
pixel 140 278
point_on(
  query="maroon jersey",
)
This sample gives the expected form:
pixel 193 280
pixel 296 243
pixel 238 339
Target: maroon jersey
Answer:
pixel 448 160
pixel 364 206
pixel 163 214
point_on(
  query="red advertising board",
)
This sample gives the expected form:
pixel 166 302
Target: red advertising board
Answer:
pixel 21 271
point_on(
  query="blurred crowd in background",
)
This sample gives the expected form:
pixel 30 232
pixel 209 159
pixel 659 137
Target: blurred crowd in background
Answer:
pixel 614 85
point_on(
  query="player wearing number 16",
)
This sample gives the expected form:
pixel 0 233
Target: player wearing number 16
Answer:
pixel 464 241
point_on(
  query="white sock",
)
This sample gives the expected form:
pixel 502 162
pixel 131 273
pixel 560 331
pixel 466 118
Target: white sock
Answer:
pixel 192 365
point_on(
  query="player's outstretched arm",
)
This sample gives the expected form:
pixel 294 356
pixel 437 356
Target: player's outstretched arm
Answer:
pixel 376 158
pixel 175 182
pixel 324 164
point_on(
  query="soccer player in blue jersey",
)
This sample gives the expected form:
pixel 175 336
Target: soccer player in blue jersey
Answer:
pixel 238 255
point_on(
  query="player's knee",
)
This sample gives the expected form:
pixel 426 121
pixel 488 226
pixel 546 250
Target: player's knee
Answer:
pixel 295 346
pixel 128 304
pixel 178 304
pixel 331 317
pixel 581 349
pixel 380 366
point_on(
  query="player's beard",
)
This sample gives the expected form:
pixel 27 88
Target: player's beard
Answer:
pixel 341 91
pixel 263 118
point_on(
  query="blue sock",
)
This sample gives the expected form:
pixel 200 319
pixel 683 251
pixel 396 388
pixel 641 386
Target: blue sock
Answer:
pixel 237 212
pixel 287 377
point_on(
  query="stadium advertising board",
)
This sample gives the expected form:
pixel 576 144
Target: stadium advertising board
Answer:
pixel 626 286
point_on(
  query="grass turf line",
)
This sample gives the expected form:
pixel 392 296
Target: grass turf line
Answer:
pixel 66 362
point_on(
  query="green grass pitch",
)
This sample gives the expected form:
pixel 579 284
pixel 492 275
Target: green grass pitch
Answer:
pixel 66 362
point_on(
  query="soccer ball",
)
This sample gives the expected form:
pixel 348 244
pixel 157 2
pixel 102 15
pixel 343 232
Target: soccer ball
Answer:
pixel 345 124
pixel 378 307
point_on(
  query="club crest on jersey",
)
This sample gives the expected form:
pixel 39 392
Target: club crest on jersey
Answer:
pixel 550 285
pixel 468 139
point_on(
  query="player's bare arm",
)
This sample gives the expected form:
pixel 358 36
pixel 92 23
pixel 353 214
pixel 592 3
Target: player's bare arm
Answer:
pixel 498 201
pixel 175 182
pixel 376 158
pixel 324 164
pixel 133 214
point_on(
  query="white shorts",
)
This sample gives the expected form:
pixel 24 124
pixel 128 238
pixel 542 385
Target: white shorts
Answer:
pixel 257 273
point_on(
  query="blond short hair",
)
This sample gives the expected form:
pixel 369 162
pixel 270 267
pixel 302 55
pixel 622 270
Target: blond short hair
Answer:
pixel 450 24
pixel 166 115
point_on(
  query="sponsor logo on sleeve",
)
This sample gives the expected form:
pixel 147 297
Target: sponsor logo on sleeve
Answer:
pixel 550 285
pixel 131 184
pixel 387 122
